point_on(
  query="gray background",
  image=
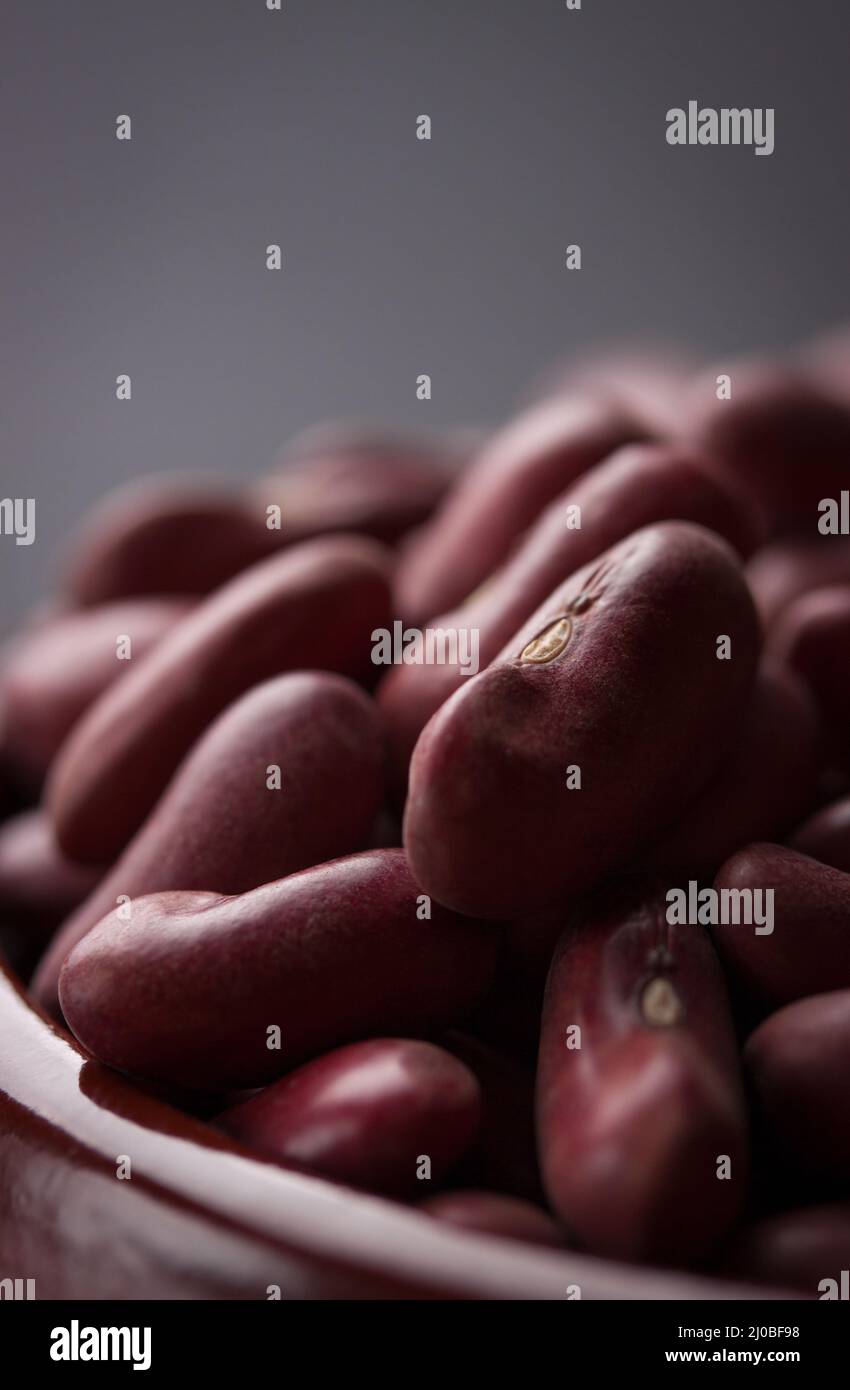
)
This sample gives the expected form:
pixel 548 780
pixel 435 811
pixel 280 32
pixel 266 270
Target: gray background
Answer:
pixel 400 257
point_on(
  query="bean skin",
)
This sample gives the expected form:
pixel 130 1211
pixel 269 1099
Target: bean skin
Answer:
pixel 797 1066
pixel 825 836
pixel 792 566
pixel 813 638
pixel 55 671
pixel 366 1115
pixel 637 486
pixel 803 1249
pixel 37 883
pixel 649 379
pixel 631 1123
pixel 186 989
pixel 164 535
pixel 220 826
pixel 768 781
pixel 521 469
pixel 39 886
pixel 826 358
pixel 332 480
pixel 312 607
pixel 617 674
pixel 808 951
pixel 780 434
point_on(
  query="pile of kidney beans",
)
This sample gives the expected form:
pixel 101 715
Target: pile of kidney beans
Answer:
pixel 409 928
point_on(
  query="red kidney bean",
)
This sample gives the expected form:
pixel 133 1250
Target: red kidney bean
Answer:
pixel 806 1249
pixel 792 566
pixel 813 637
pixel 56 670
pixel 634 1121
pixel 38 887
pixel 333 479
pixel 827 359
pixel 314 606
pixel 825 836
pixel 491 1214
pixel 808 951
pixel 186 991
pixel 70 1117
pixel 165 535
pixel 797 1065
pixel 518 472
pixel 779 433
pixel 648 380
pixel 504 1157
pixel 617 675
pixel 220 825
pixel 767 782
pixel 389 1114
pixel 635 487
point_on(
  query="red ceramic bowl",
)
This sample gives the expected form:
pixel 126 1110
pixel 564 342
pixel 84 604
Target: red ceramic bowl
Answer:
pixel 201 1218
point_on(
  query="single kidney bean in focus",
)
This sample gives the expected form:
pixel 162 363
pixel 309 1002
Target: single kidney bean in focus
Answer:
pixel 641 1121
pixel 389 1114
pixel 186 991
pixel 604 717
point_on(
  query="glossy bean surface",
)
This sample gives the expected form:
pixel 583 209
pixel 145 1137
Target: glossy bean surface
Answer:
pixel 641 1120
pixel 388 1114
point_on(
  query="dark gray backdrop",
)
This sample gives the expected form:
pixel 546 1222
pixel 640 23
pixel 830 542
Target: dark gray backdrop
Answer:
pixel 400 256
